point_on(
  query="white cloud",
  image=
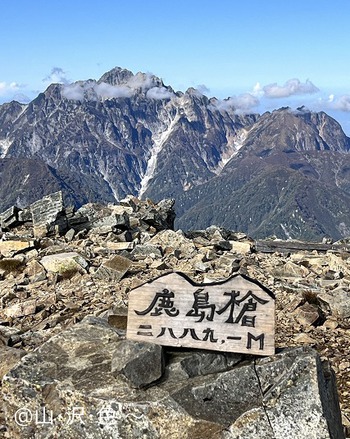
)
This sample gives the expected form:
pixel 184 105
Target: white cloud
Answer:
pixel 6 89
pixel 159 93
pixel 290 88
pixel 57 76
pixel 145 82
pixel 108 91
pixel 92 90
pixel 341 103
pixel 75 92
pixel 257 90
pixel 240 104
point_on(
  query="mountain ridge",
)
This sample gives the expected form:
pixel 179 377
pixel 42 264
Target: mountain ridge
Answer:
pixel 131 134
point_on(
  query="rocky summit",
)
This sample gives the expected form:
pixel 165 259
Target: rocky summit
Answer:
pixel 283 173
pixel 68 370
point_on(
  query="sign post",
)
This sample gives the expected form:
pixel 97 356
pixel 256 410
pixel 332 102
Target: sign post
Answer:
pixel 236 315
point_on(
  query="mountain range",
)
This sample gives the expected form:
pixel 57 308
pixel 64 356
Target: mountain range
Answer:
pixel 284 173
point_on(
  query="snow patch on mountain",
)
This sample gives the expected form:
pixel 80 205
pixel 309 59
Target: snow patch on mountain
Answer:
pixel 233 146
pixel 106 177
pixel 4 146
pixel 159 140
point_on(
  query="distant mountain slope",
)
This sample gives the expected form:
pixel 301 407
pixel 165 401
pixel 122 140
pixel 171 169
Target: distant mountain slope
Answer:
pixel 289 179
pixel 285 173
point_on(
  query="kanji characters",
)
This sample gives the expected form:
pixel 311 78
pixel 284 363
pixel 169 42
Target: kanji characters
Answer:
pixel 161 302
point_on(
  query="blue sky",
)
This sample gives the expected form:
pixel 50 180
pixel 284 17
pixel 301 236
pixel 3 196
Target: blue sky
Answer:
pixel 263 54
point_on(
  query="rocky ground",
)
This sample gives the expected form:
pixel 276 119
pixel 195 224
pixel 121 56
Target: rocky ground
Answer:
pixel 58 266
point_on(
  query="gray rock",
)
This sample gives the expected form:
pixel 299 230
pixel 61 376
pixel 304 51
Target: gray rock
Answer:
pixel 20 309
pixel 70 235
pixel 223 245
pixel 25 216
pixel 114 269
pixel 299 395
pixel 336 301
pixel 111 223
pixel 142 363
pixel 8 265
pixel 221 398
pixel 307 314
pixel 65 264
pixel 10 218
pixel 171 240
pixel 289 395
pixel 49 215
pixel 9 357
pixel 142 251
pixel 205 362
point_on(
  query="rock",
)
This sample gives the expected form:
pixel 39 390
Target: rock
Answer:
pixel 25 216
pixel 289 395
pixel 337 300
pixel 49 215
pixel 20 309
pixel 304 339
pixel 141 252
pixel 65 264
pixel 307 314
pixel 70 235
pixel 10 218
pixel 11 247
pixel 240 248
pixel 299 395
pixel 111 223
pixel 170 241
pixel 113 269
pixel 118 318
pixel 9 357
pixel 290 270
pixel 251 425
pixel 118 246
pixel 206 362
pixel 8 265
pixel 130 202
pixel 36 305
pixel 223 245
pixel 161 216
pixel 142 363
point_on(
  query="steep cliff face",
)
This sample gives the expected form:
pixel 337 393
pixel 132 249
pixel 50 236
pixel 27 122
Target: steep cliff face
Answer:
pixel 121 132
pixel 131 134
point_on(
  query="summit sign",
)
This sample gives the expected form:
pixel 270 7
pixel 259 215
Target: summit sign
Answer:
pixel 236 315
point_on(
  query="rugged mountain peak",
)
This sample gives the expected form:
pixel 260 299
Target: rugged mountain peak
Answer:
pixel 140 80
pixel 116 76
pixel 328 129
pixel 118 83
pixel 286 130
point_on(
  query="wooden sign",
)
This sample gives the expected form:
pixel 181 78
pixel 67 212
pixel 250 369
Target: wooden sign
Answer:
pixel 236 315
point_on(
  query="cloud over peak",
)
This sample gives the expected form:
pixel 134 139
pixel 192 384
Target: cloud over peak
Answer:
pixel 57 76
pixel 291 88
pixel 243 103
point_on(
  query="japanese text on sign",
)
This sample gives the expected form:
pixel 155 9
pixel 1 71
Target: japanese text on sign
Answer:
pixel 234 316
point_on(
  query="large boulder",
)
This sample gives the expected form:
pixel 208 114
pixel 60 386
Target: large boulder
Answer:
pixel 77 385
pixel 65 264
pixel 49 216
